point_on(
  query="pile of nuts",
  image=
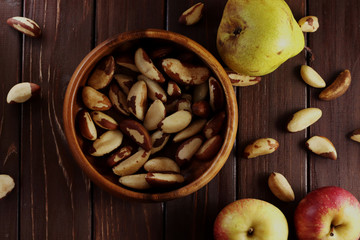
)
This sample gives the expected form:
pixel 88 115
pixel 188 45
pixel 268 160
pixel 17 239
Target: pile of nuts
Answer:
pixel 149 113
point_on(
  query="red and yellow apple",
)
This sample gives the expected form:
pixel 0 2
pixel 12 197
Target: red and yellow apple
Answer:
pixel 328 213
pixel 250 219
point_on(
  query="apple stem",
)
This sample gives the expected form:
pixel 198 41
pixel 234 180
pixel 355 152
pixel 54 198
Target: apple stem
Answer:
pixel 332 231
pixel 237 31
pixel 250 232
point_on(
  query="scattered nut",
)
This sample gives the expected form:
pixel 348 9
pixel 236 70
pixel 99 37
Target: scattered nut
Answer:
pixel 118 99
pixel 210 148
pixel 7 184
pixel 173 90
pixel 303 119
pixel 184 73
pixel 161 164
pixel 158 140
pixel 136 132
pixel 260 147
pixel 280 187
pixel 240 80
pixel 25 25
pixel 155 91
pixel 309 24
pixel 322 146
pixel 175 122
pixel 201 92
pixel 132 164
pixel 103 73
pixel 194 128
pixel 338 87
pixel 22 92
pixel 137 99
pixel 126 61
pixel 155 114
pixel 119 156
pixel 214 125
pixel 86 125
pixel 217 97
pixel 146 66
pixel 164 180
pixel 355 135
pixel 95 100
pixel 104 121
pixel 311 77
pixel 136 181
pixel 125 82
pixel 106 143
pixel 201 109
pixel 192 15
pixel 187 150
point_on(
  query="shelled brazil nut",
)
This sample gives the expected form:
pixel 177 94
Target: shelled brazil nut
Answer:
pixel 149 113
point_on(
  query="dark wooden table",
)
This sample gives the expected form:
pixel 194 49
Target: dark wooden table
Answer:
pixel 53 199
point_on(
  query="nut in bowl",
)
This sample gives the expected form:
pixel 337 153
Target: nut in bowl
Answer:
pixel 124 140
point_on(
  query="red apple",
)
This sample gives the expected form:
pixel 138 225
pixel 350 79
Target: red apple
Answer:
pixel 328 213
pixel 248 219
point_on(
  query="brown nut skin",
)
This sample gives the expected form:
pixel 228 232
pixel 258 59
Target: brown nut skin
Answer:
pixel 86 125
pixel 104 121
pixel 118 99
pixel 322 146
pixel 164 180
pixel 338 87
pixel 106 143
pixel 201 109
pixel 185 73
pixel 135 181
pixel 25 25
pixel 132 164
pixel 125 82
pixel 216 93
pixel 173 90
pixel 126 61
pixel 22 92
pixel 214 125
pixel 355 135
pixel 147 67
pixel 210 148
pixel 192 15
pixel 158 140
pixel 137 133
pixel 95 100
pixel 119 156
pixel 137 100
pixel 187 150
pixel 261 146
pixel 102 74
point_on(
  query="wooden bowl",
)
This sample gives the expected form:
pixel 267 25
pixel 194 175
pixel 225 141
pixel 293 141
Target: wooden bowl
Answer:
pixel 201 172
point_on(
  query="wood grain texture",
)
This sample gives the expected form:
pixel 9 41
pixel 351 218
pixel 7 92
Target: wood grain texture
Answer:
pixel 264 110
pixel 55 202
pixel 10 69
pixel 117 218
pixel 203 206
pixel 336 48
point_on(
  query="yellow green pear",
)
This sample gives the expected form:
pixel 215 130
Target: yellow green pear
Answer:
pixel 255 37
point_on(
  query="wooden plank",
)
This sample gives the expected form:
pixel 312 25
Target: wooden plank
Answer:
pixel 10 69
pixel 264 110
pixel 192 217
pixel 336 48
pixel 113 217
pixel 55 201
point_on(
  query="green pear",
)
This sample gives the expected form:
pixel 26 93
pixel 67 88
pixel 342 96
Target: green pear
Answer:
pixel 256 36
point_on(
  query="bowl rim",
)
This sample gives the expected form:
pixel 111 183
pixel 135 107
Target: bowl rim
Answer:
pixel 106 47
